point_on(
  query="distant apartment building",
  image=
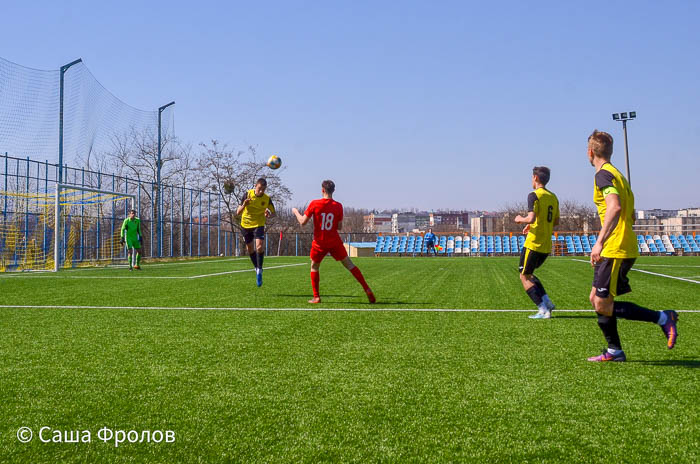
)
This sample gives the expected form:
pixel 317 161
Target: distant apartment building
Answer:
pixel 656 213
pixel 403 222
pixel 422 221
pixel 378 223
pixel 689 212
pixel 490 224
pixel 450 221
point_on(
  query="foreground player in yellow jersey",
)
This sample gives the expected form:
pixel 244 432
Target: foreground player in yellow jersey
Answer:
pixel 255 208
pixel 615 252
pixel 542 216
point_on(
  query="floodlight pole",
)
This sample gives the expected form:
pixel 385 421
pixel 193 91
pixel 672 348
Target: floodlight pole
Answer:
pixel 59 177
pixel 627 153
pixel 64 68
pixel 159 195
pixel 624 117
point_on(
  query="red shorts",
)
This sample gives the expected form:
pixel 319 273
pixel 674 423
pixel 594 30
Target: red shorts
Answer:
pixel 319 252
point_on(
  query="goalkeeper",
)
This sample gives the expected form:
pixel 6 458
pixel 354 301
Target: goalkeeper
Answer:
pixel 131 235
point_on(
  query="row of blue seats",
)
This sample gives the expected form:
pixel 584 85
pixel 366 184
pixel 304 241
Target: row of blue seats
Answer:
pixel 497 244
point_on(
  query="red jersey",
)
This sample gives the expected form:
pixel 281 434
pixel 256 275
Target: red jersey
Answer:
pixel 326 214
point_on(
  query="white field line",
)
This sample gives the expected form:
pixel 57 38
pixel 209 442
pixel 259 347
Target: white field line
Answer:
pixel 247 270
pixel 171 263
pixel 667 265
pixel 668 276
pixel 187 262
pixel 651 273
pixel 312 309
pixel 124 266
pixel 142 276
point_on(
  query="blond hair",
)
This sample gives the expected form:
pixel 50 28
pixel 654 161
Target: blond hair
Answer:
pixel 601 144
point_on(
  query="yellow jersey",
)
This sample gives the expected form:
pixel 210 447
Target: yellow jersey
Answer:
pixel 546 207
pixel 254 214
pixel 622 242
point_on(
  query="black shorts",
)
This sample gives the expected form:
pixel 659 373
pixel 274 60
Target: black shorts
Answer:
pixel 253 232
pixel 610 276
pixel 530 260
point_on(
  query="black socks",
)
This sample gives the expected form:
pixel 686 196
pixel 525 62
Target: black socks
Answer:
pixel 609 327
pixel 634 312
pixel 535 295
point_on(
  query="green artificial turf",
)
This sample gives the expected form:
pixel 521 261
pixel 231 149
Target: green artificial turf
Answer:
pixel 346 386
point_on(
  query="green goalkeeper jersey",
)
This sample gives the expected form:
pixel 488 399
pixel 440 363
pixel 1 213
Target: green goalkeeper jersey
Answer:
pixel 131 229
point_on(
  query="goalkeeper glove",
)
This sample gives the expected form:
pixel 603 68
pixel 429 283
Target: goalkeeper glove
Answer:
pixel 121 240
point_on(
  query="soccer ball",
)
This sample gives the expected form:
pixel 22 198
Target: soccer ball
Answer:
pixel 274 162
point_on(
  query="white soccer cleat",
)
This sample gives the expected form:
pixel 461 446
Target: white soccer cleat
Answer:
pixel 541 315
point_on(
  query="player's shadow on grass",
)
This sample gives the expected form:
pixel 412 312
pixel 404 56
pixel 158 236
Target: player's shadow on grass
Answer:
pixel 586 316
pixel 686 362
pixel 358 299
pixel 307 295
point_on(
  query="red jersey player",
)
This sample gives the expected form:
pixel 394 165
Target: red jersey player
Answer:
pixel 328 220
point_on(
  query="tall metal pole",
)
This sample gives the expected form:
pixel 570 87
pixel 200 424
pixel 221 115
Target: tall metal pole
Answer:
pixel 624 117
pixel 627 154
pixel 64 68
pixel 159 196
pixel 59 178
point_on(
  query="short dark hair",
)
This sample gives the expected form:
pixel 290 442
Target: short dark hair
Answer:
pixel 132 211
pixel 262 181
pixel 328 186
pixel 542 173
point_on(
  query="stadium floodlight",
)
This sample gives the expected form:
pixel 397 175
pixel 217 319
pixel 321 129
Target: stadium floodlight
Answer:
pixel 624 117
pixel 159 193
pixel 64 68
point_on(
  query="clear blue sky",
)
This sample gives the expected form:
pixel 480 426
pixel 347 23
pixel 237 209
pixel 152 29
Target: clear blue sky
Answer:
pixel 403 104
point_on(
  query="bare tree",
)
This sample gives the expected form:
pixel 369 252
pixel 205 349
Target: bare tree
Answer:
pixel 507 217
pixel 573 217
pixel 577 217
pixel 230 173
pixel 354 219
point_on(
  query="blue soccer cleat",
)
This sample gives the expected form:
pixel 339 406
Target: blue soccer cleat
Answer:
pixel 258 278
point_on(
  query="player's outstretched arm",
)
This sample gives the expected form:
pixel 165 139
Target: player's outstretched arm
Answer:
pixel 270 211
pixel 245 200
pixel 302 218
pixel 529 219
pixel 241 207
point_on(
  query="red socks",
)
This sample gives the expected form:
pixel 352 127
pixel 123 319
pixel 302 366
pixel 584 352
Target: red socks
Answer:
pixel 315 278
pixel 360 278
